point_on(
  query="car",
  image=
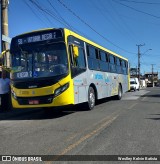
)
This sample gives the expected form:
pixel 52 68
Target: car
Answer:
pixel 149 84
pixel 158 85
pixel 134 84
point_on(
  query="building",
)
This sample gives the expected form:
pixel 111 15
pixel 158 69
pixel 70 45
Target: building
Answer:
pixel 151 78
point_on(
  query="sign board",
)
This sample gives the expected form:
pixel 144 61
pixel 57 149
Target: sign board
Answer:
pixel 6 39
pixel 40 37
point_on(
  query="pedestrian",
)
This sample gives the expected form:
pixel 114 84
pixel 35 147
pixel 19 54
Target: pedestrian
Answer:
pixel 4 91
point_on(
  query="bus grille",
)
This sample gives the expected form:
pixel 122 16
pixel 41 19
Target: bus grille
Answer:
pixel 35 100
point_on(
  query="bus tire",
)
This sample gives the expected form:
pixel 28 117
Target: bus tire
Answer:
pixel 119 96
pixel 91 98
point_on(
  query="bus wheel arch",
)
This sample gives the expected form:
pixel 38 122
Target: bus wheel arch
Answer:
pixel 121 87
pixel 92 96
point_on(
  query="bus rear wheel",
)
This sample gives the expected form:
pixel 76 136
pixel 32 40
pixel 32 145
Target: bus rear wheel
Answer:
pixel 91 98
pixel 119 96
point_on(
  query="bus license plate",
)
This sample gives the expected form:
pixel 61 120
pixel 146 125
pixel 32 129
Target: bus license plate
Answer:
pixel 33 102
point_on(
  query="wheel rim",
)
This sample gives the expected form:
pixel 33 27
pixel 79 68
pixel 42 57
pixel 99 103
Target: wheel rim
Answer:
pixel 91 99
pixel 120 92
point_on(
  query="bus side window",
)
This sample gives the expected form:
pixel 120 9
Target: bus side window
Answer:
pixel 73 59
pixel 123 67
pixel 102 56
pixel 71 55
pixel 126 66
pixel 103 61
pixel 107 57
pixel 97 54
pixel 78 63
pixel 118 65
pixel 93 58
pixel 80 60
pixel 112 63
pixel 120 61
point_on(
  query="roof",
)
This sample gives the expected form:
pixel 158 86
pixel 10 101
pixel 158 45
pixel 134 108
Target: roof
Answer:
pixel 150 73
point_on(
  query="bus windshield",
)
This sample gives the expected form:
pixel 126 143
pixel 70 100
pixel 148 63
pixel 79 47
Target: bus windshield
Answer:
pixel 39 60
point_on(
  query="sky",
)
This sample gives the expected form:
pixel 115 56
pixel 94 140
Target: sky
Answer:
pixel 118 25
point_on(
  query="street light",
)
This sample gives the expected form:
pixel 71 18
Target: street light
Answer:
pixel 146 51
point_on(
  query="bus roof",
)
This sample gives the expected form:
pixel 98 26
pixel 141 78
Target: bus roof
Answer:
pixel 40 30
pixel 69 32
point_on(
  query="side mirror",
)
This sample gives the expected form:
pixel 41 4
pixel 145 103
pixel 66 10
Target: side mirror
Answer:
pixel 3 60
pixel 75 51
pixel 1 55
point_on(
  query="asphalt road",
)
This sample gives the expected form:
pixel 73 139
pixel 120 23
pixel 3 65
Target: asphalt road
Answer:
pixel 127 127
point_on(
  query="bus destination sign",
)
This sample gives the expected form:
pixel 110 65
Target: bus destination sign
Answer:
pixel 39 37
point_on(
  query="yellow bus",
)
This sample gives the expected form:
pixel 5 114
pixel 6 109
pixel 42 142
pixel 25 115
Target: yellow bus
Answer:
pixel 57 67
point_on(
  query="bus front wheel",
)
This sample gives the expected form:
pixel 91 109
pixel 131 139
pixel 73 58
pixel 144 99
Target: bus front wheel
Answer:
pixel 91 98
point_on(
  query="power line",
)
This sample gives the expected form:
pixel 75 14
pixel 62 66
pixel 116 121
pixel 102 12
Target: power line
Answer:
pixel 46 12
pixel 148 3
pixel 108 19
pixel 40 10
pixel 71 11
pixel 59 15
pixel 113 18
pixel 153 55
pixel 137 10
pixel 127 28
pixel 30 7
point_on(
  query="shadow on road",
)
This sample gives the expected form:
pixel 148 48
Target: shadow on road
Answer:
pixel 41 114
pixel 152 98
pixel 35 114
pixel 153 95
pixel 32 115
pixel 154 118
pixel 44 114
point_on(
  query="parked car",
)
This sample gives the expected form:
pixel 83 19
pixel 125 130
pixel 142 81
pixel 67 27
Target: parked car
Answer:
pixel 149 84
pixel 134 84
pixel 158 85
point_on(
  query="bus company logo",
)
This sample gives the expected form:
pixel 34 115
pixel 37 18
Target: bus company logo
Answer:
pixel 98 76
pixel 6 158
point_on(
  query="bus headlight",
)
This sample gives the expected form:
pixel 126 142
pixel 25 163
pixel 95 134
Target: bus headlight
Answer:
pixel 14 94
pixel 61 89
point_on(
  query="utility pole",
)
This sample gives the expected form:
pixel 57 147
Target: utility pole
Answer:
pixel 139 63
pixel 152 75
pixel 136 71
pixel 4 27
